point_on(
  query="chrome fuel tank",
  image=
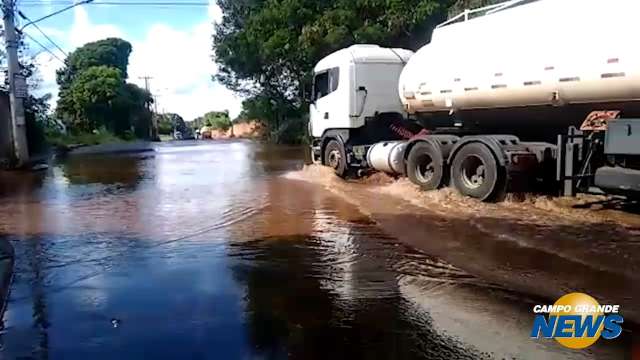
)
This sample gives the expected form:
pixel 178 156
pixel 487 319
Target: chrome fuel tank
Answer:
pixel 387 156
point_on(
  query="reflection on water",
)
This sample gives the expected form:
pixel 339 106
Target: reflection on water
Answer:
pixel 206 250
pixel 332 306
pixel 106 170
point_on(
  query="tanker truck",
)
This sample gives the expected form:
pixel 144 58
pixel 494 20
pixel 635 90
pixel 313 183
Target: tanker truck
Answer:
pixel 542 94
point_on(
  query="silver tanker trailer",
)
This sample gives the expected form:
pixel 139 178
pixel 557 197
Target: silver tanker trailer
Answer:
pixel 539 93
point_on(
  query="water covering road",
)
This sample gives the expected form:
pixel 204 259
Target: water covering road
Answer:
pixel 231 250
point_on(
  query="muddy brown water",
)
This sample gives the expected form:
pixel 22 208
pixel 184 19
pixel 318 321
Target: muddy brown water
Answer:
pixel 237 250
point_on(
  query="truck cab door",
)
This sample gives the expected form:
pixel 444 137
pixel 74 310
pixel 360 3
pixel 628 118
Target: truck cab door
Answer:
pixel 323 107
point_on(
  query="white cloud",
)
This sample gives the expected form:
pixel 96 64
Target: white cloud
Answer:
pixel 47 66
pixel 178 60
pixel 214 11
pixel 53 33
pixel 83 31
pixel 181 66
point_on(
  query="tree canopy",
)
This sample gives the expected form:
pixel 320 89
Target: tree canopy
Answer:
pixel 111 52
pixel 215 119
pixel 168 122
pixel 461 5
pixel 94 92
pixel 266 49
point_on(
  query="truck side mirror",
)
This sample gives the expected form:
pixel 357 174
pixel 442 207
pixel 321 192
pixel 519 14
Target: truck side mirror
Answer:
pixel 308 97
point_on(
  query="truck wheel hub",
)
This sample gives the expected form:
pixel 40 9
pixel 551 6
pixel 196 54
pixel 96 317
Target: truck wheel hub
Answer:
pixel 473 172
pixel 334 159
pixel 425 169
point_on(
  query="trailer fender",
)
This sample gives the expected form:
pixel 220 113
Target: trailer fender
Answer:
pixel 498 144
pixel 443 144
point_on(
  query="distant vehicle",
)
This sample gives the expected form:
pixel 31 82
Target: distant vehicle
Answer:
pixel 543 91
pixel 179 135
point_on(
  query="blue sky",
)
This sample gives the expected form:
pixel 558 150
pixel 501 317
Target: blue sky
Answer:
pixel 170 44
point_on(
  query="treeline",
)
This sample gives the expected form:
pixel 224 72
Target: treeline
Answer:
pixel 266 49
pixel 95 103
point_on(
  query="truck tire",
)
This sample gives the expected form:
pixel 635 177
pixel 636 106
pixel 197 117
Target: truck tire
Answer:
pixel 425 166
pixel 335 158
pixel 475 172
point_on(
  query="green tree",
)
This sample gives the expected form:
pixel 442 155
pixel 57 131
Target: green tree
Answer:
pixel 94 92
pixel 132 111
pixel 90 97
pixel 461 5
pixel 218 120
pixel 215 119
pixel 266 50
pixel 169 122
pixel 111 52
pixel 165 126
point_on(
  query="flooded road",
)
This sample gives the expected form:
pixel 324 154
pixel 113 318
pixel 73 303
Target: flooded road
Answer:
pixel 236 250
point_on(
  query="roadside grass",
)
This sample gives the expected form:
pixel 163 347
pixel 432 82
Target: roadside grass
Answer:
pixel 84 138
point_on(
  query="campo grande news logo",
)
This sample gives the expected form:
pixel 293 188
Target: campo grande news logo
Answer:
pixel 577 321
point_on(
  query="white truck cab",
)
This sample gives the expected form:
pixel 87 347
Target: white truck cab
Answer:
pixel 353 84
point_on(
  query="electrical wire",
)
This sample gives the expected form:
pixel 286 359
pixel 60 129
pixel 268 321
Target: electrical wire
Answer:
pixel 32 3
pixel 27 3
pixel 22 15
pixel 43 47
pixel 51 41
pixel 83 2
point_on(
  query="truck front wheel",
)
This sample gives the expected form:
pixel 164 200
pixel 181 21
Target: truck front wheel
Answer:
pixel 424 166
pixel 335 158
pixel 475 172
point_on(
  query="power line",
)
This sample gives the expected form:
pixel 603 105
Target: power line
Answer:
pixel 26 3
pixel 43 33
pixel 32 22
pixel 51 41
pixel 83 2
pixel 43 47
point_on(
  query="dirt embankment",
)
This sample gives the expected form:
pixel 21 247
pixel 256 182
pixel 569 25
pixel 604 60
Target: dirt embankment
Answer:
pixel 249 130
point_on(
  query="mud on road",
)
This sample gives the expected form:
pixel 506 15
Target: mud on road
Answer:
pixel 536 245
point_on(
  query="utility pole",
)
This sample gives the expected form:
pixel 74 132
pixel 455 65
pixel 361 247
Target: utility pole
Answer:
pixel 153 132
pixel 155 103
pixel 146 81
pixel 17 87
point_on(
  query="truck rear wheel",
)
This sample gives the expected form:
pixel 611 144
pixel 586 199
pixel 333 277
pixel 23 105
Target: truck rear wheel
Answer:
pixel 475 172
pixel 425 166
pixel 335 158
